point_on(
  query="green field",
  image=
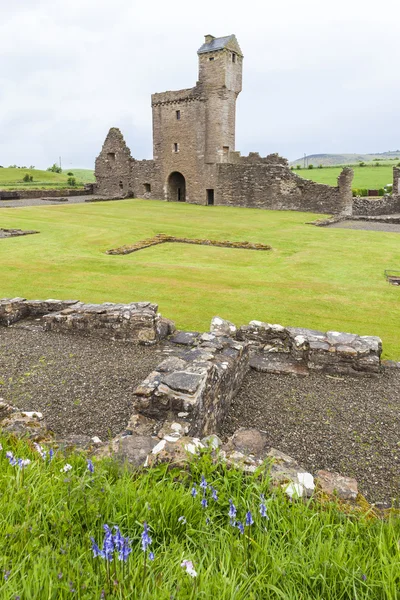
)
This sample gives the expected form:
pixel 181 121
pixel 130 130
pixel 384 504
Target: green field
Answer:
pixel 11 178
pixel 370 176
pixel 314 277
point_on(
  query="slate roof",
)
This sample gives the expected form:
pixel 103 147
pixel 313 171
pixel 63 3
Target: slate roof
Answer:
pixel 229 41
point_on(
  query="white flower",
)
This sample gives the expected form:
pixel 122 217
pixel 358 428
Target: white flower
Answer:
pixel 66 468
pixel 1 447
pixel 188 565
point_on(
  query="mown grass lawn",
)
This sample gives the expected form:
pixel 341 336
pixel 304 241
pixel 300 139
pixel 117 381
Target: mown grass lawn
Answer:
pixel 243 541
pixel 370 176
pixel 328 279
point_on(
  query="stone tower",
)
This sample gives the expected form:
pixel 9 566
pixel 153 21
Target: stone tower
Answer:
pixel 193 129
pixel 220 79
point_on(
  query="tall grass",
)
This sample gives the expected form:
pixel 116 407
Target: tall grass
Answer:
pixel 302 550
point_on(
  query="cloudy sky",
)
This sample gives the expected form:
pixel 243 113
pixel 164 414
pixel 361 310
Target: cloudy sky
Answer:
pixel 319 76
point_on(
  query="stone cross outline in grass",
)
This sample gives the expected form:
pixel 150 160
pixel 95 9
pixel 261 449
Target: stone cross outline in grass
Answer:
pixel 162 238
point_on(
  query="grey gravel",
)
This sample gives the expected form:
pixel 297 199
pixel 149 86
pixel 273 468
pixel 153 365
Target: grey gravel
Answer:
pixel 345 424
pixel 81 385
pixel 366 226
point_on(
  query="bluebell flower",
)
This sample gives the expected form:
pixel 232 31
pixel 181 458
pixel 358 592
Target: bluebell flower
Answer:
pixel 118 539
pixel 208 521
pixel 203 483
pixel 232 510
pixel 90 466
pixel 263 510
pixel 125 549
pixel 182 520
pixel 249 519
pixel 240 527
pixel 146 539
pixel 7 575
pixel 151 555
pixel 193 491
pixel 23 462
pixel 108 544
pixel 214 493
pixel 96 552
pixel 51 454
pixel 204 502
pixel 11 459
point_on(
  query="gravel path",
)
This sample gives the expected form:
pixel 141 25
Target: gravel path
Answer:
pixel 344 424
pixel 367 226
pixel 81 385
pixel 40 202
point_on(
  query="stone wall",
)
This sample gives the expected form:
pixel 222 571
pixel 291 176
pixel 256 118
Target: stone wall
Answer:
pixel 274 186
pixel 137 322
pixel 198 387
pixel 113 167
pixel 385 205
pixel 21 194
pixel 298 350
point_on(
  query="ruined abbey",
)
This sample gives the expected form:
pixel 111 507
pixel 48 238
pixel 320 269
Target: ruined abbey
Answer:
pixel 194 156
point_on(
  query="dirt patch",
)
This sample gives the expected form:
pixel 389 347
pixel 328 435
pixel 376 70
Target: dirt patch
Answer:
pixel 345 424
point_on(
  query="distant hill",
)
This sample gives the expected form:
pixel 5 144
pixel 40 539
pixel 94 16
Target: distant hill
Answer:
pixel 330 160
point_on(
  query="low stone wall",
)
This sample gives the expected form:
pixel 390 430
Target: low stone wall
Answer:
pixel 22 194
pixel 294 349
pixel 384 206
pixel 198 387
pixel 7 233
pixel 162 239
pixel 15 309
pixel 137 322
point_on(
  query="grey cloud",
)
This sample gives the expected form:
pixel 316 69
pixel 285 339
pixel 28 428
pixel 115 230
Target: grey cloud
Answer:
pixel 317 78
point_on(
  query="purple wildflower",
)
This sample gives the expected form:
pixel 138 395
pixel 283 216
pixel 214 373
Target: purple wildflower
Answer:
pixel 240 527
pixel 193 491
pixel 90 466
pixel 51 454
pixel 203 483
pixel 204 502
pixel 151 555
pixel 118 539
pixel 96 552
pixel 364 577
pixel 23 462
pixel 214 494
pixel 11 458
pixel 263 508
pixel 232 510
pixel 208 521
pixel 249 519
pixel 125 549
pixel 108 544
pixel 146 539
pixel 7 575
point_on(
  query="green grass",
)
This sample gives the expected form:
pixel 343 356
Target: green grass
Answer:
pixel 302 551
pixel 370 176
pixel 11 178
pixel 327 279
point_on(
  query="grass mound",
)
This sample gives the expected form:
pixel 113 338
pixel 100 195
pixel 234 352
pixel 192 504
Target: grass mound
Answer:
pixel 13 178
pixel 239 540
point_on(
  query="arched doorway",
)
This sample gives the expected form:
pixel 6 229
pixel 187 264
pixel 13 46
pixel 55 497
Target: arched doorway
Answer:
pixel 176 187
